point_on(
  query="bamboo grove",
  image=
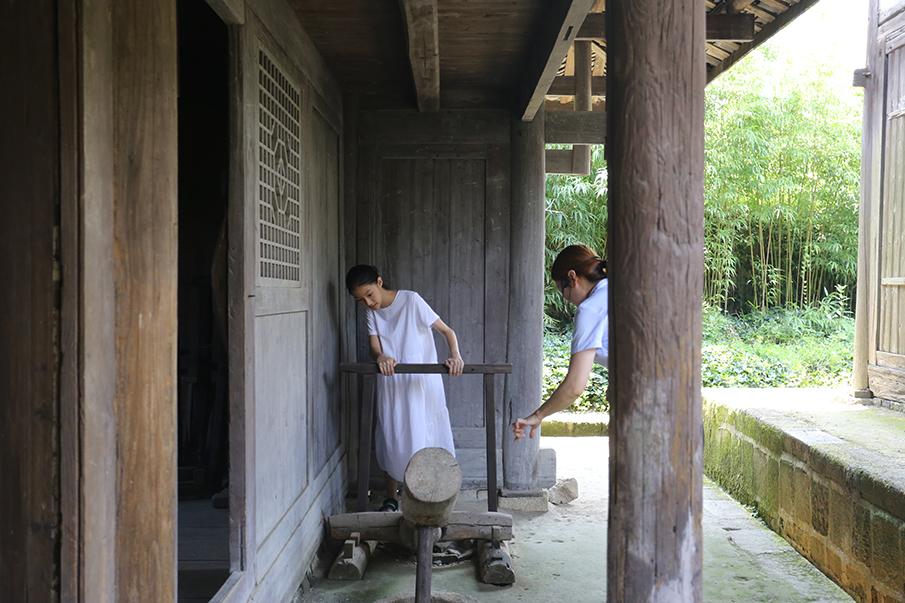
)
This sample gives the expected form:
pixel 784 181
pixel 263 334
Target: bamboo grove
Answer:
pixel 781 189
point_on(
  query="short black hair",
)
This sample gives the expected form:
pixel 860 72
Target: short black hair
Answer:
pixel 361 275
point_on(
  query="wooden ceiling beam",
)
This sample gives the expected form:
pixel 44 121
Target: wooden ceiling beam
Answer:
pixel 561 25
pixel 729 27
pixel 737 27
pixel 564 85
pixel 421 24
pixel 766 32
pixel 575 127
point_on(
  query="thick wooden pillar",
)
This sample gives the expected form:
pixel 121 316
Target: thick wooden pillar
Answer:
pixel 145 229
pixel 526 297
pixel 29 302
pixel 655 147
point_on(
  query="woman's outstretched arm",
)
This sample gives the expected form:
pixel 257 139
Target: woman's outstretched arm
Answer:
pixel 565 394
pixel 454 362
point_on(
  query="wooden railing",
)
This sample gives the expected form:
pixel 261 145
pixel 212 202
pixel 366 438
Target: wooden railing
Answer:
pixel 369 370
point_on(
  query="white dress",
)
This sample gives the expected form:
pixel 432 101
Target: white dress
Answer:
pixel 411 409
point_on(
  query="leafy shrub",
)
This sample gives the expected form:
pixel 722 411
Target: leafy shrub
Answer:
pixel 809 347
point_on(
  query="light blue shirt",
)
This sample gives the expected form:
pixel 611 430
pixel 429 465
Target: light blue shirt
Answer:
pixel 592 324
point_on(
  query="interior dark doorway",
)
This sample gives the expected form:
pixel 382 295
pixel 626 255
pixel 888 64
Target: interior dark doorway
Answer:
pixel 203 409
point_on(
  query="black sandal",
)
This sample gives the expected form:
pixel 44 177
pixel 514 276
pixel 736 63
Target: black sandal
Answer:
pixel 389 504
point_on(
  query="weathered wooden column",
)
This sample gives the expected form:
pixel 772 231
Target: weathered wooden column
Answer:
pixel 655 148
pixel 871 170
pixel 526 297
pixel 145 240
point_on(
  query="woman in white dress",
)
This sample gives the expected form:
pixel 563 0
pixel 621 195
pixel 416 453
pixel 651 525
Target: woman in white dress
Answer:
pixel 580 275
pixel 411 409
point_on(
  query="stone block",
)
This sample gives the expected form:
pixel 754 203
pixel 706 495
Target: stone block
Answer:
pixel 841 518
pixel 534 501
pixel 886 550
pixel 834 567
pixel 786 487
pixel 802 496
pixel 564 491
pixel 861 535
pixel 888 496
pixel 820 508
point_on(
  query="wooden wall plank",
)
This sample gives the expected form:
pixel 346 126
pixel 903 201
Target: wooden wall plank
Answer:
pixel 445 127
pixel 145 134
pixel 656 240
pixel 327 275
pixel 30 172
pixel 465 283
pixel 496 271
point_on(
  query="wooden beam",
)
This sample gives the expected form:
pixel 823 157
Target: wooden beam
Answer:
pixel 730 27
pixel 655 154
pixel 557 106
pixel 563 161
pixel 725 26
pixel 575 127
pixel 766 32
pixel 561 25
pixel 581 52
pixel 593 28
pixel 424 51
pixel 564 85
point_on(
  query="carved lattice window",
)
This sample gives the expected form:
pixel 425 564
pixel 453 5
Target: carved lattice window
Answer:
pixel 279 175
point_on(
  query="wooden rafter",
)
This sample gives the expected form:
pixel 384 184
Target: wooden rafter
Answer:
pixel 762 36
pixel 424 51
pixel 561 25
pixel 725 26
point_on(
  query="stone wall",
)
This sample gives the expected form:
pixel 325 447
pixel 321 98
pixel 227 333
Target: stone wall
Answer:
pixel 840 505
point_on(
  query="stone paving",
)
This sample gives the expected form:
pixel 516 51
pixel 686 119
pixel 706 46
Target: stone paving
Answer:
pixel 561 555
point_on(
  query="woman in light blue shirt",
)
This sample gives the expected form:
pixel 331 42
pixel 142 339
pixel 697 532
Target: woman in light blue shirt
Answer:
pixel 580 275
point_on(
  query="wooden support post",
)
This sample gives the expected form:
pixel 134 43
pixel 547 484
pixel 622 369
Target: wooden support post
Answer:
pixel 526 297
pixel 490 430
pixel 145 276
pixel 427 535
pixel 871 159
pixel 364 440
pixel 655 146
pixel 581 153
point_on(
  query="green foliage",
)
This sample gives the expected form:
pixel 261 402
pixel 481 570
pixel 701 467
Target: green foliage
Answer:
pixel 765 348
pixel 557 350
pixel 779 348
pixel 781 194
pixel 576 213
pixel 782 178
